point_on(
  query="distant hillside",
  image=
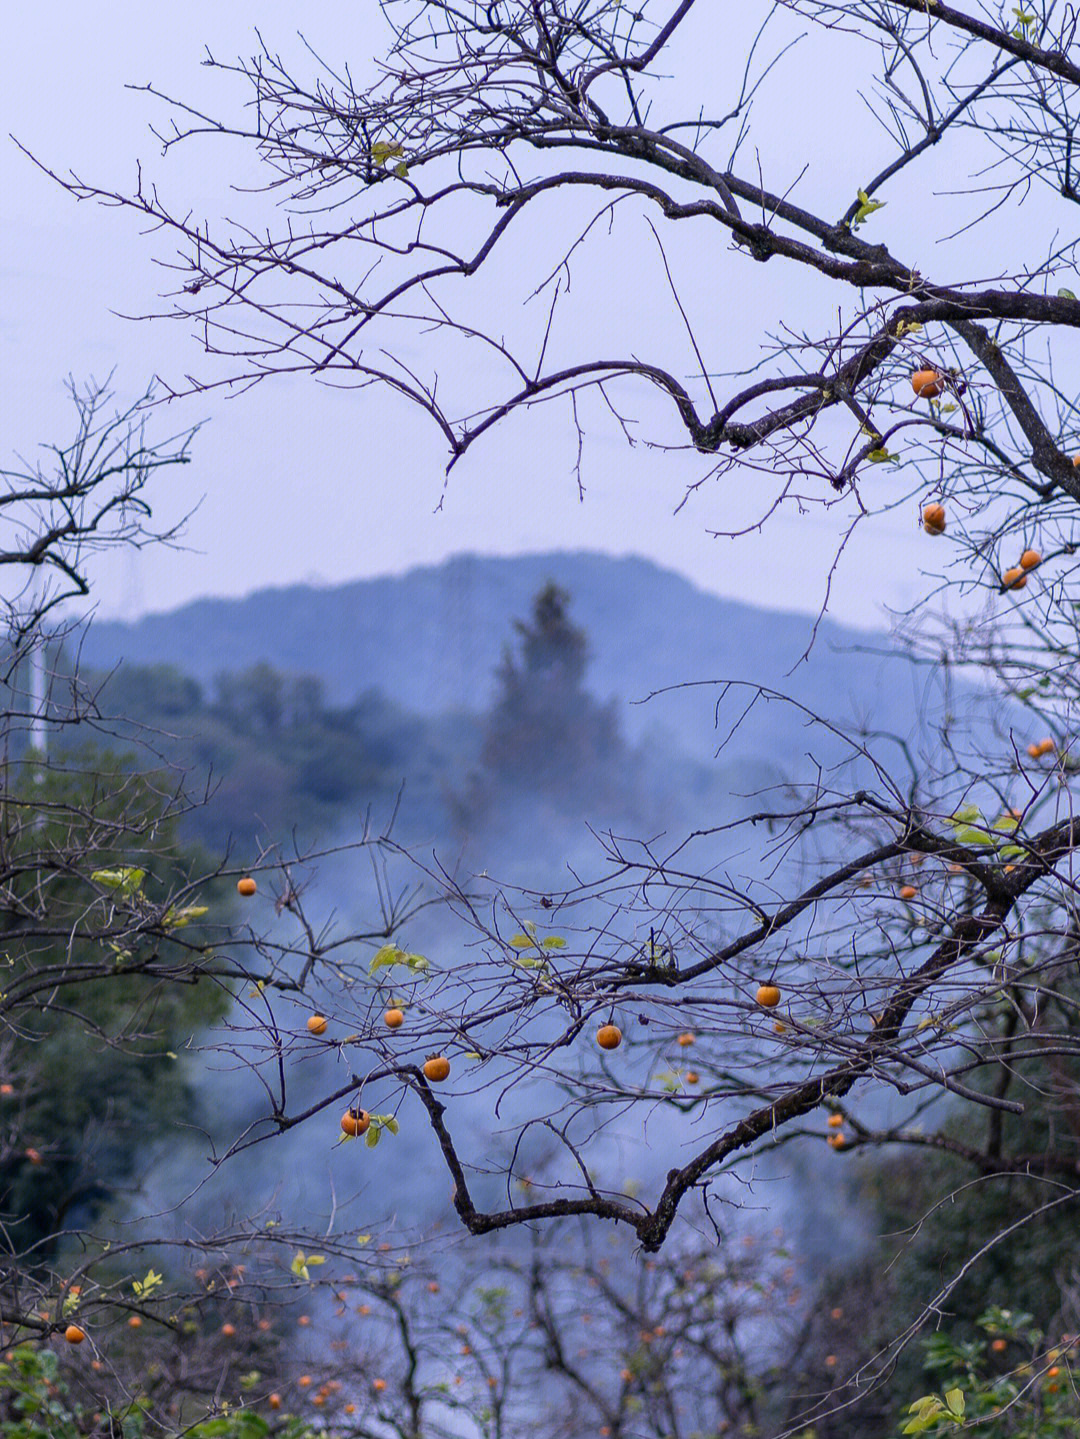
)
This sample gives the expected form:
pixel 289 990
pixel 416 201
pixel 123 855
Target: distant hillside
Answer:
pixel 431 640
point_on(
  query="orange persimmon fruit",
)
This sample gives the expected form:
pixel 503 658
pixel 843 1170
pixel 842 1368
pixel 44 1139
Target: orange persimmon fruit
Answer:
pixel 927 384
pixel 933 519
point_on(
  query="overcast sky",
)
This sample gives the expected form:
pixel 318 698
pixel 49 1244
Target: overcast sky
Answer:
pixel 292 482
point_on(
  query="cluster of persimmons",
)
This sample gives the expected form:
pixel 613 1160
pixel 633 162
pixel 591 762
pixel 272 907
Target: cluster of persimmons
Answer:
pixel 928 384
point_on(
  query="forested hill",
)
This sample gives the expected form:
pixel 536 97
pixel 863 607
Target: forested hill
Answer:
pixel 431 641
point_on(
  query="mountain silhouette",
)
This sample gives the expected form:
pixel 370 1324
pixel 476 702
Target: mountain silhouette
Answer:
pixel 432 640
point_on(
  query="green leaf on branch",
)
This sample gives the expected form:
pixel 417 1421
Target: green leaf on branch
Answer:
pixel 926 1413
pixel 126 881
pixel 954 1398
pixel 391 954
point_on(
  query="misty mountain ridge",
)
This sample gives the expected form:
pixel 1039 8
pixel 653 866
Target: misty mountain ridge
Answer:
pixel 432 640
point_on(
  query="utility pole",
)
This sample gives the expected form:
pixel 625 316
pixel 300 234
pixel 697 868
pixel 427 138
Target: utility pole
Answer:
pixel 39 733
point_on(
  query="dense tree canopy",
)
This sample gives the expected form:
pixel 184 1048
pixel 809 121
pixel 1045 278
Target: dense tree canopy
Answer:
pixel 545 731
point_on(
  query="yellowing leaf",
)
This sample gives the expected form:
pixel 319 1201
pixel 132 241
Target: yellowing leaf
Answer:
pixel 866 207
pixel 382 151
pixel 178 918
pixel 127 880
pixel 145 1287
pixel 302 1263
pixel 387 955
pixel 965 814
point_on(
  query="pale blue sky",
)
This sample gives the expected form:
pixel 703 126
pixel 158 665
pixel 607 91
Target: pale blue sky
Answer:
pixel 293 482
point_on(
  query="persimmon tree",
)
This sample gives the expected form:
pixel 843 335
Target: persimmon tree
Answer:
pixel 913 903
pixel 424 1342
pixel 114 966
pixel 650 1349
